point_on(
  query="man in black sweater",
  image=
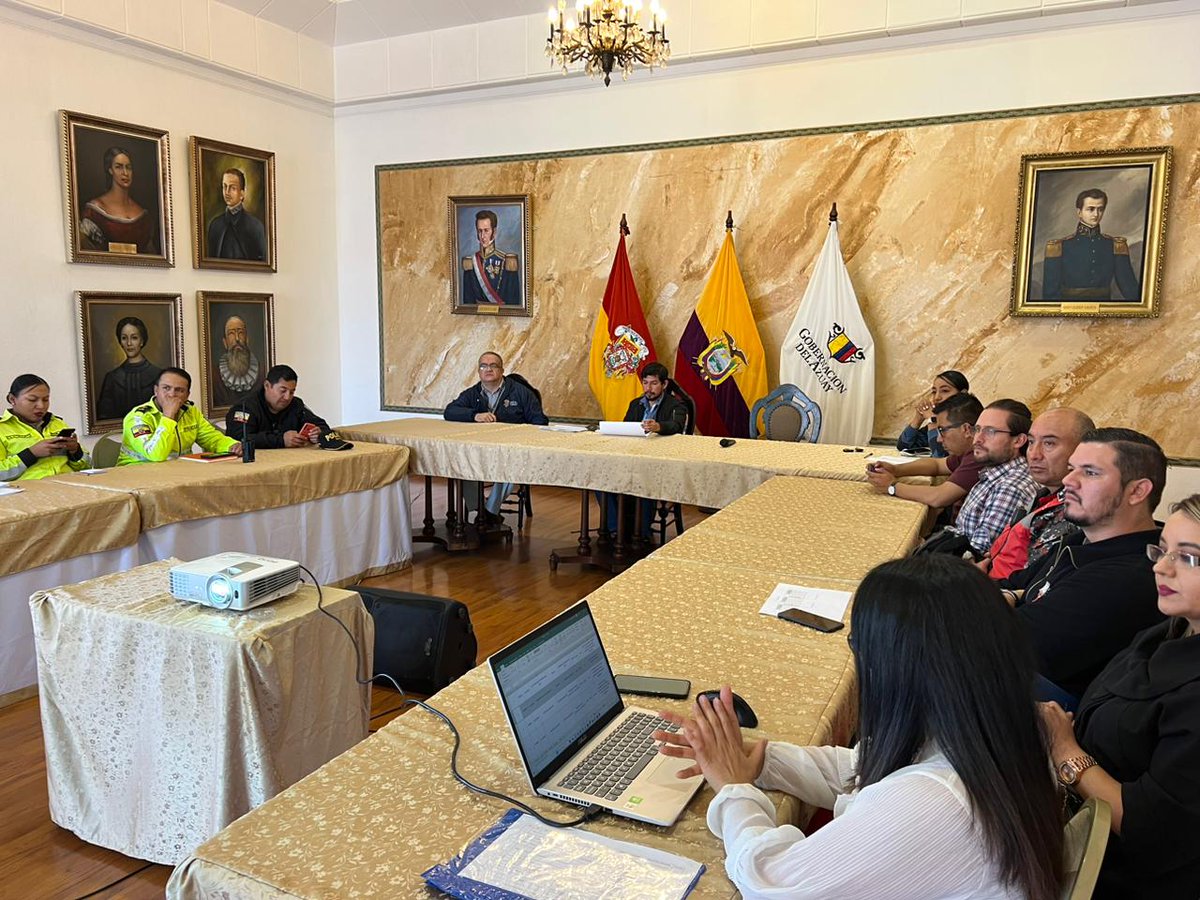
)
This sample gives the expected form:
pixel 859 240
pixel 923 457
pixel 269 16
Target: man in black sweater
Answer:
pixel 1086 599
pixel 273 416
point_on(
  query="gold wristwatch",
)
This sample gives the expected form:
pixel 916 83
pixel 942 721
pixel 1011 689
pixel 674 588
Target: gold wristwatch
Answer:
pixel 1070 770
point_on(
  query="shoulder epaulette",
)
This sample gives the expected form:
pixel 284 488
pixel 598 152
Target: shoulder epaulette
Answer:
pixel 1053 249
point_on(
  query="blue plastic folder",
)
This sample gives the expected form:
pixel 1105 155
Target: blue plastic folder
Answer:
pixel 518 853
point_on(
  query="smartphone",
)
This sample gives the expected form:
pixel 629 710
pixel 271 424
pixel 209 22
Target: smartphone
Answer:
pixel 653 687
pixel 66 433
pixel 811 620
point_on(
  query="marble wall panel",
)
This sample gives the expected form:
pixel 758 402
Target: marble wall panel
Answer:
pixel 928 217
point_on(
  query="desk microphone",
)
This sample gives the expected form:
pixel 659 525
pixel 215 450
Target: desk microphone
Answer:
pixel 247 444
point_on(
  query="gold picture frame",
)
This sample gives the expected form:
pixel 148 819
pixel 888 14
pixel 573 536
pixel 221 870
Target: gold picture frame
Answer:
pixel 1091 231
pixel 224 379
pixel 498 282
pixel 125 340
pixel 118 192
pixel 244 241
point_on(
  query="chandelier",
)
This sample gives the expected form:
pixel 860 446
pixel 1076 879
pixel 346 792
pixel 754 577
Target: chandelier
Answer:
pixel 608 34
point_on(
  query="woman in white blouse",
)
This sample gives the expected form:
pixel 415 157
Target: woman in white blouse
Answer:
pixel 948 793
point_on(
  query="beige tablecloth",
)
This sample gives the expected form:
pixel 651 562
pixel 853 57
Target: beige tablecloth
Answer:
pixel 180 490
pixel 368 823
pixel 49 522
pixel 164 721
pixel 681 468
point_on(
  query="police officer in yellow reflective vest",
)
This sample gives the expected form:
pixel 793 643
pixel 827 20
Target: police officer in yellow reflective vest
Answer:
pixel 169 425
pixel 1083 266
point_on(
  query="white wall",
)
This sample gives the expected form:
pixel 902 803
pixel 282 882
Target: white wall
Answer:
pixel 1006 72
pixel 42 72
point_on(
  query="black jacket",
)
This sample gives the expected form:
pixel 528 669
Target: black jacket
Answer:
pixel 1099 596
pixel 251 417
pixel 518 405
pixel 1140 719
pixel 671 414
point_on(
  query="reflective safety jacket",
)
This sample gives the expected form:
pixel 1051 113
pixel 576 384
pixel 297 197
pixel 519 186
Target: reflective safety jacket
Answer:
pixel 17 436
pixel 149 436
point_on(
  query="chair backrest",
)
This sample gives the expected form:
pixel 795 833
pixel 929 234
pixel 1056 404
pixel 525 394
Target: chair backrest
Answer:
pixel 685 398
pixel 106 451
pixel 520 379
pixel 1085 838
pixel 787 415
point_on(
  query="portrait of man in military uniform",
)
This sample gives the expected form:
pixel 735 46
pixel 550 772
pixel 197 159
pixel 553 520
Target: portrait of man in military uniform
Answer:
pixel 1090 232
pixel 490 255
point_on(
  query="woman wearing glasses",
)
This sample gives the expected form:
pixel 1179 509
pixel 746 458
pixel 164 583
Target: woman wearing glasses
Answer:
pixel 1135 742
pixel 946 795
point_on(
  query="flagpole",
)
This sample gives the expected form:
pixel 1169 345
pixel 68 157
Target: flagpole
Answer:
pixel 833 214
pixel 624 225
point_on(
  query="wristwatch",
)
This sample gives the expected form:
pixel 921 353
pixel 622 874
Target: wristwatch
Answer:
pixel 891 489
pixel 1070 770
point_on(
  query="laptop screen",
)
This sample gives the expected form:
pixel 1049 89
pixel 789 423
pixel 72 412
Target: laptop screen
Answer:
pixel 557 689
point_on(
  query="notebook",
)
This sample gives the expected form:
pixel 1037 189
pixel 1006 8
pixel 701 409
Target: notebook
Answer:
pixel 577 740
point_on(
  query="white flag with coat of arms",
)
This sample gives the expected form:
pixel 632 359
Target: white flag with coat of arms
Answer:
pixel 829 353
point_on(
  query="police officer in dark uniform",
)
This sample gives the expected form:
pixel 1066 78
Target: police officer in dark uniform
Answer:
pixel 1083 266
pixel 491 276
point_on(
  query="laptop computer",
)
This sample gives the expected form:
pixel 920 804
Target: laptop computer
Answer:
pixel 576 738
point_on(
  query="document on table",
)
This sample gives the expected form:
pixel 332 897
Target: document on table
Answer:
pixel 563 426
pixel 818 601
pixel 5 491
pixel 519 857
pixel 896 460
pixel 625 429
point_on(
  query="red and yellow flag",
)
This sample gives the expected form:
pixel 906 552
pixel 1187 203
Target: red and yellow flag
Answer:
pixel 621 343
pixel 720 361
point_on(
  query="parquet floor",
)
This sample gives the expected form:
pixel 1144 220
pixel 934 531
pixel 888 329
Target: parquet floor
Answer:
pixel 509 590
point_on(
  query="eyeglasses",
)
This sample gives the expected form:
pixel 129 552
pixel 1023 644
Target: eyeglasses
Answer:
pixel 490 366
pixel 988 431
pixel 942 430
pixel 1187 560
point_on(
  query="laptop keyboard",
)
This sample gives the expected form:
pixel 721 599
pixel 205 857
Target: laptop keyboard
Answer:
pixel 619 758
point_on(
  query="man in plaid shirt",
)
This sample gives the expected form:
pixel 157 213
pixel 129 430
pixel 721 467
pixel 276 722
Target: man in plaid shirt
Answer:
pixel 1005 489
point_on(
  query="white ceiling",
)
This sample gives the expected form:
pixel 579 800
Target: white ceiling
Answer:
pixel 352 21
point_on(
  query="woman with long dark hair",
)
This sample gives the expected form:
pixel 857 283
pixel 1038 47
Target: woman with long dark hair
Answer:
pixel 920 434
pixel 1135 741
pixel 948 793
pixel 114 221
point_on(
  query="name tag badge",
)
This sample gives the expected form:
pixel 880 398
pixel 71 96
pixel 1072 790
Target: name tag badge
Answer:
pixel 241 416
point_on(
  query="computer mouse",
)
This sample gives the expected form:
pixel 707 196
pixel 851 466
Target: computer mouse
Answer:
pixel 745 715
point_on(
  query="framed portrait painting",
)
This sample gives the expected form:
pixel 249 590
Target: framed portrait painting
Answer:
pixel 489 240
pixel 1091 228
pixel 233 207
pixel 237 345
pixel 118 192
pixel 126 340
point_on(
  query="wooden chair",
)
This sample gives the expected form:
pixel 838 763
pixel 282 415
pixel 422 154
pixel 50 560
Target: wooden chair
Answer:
pixel 787 415
pixel 674 511
pixel 520 501
pixel 106 451
pixel 1085 837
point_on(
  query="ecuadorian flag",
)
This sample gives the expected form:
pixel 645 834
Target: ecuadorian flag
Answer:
pixel 621 344
pixel 720 361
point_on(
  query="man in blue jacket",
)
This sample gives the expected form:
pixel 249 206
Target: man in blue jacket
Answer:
pixel 494 398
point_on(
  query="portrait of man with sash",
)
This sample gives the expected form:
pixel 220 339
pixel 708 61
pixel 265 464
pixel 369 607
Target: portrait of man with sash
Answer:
pixel 490 240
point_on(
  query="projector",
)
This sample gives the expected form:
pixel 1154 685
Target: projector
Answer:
pixel 234 580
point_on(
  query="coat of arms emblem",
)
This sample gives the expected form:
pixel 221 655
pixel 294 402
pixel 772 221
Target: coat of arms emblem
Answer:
pixel 841 347
pixel 721 359
pixel 624 353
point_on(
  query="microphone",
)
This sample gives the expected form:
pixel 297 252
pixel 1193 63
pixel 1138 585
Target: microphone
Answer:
pixel 247 444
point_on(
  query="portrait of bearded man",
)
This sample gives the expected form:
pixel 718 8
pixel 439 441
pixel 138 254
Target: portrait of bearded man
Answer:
pixel 238 367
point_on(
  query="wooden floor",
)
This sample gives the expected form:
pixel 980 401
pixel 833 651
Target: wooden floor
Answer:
pixel 509 590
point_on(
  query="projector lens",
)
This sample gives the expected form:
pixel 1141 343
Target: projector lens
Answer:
pixel 220 591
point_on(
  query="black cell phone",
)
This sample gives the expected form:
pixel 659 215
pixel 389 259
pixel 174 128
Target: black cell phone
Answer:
pixel 811 620
pixel 66 432
pixel 653 687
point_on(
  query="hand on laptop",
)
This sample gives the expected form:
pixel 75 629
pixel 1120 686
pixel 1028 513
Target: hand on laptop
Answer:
pixel 714 740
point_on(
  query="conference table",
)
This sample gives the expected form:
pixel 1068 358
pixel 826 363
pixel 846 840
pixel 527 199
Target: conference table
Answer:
pixel 368 823
pixel 344 515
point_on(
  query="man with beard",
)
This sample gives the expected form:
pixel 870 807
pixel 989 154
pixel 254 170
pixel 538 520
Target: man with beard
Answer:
pixel 1087 598
pixel 237 367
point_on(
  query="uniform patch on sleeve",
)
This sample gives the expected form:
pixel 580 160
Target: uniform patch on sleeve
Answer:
pixel 141 431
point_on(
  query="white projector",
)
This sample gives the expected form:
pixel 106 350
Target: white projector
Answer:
pixel 234 580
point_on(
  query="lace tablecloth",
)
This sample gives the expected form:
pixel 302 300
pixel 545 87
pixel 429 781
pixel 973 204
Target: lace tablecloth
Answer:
pixel 164 721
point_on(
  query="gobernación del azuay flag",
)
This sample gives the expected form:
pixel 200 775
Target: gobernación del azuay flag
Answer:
pixel 621 343
pixel 720 361
pixel 829 352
